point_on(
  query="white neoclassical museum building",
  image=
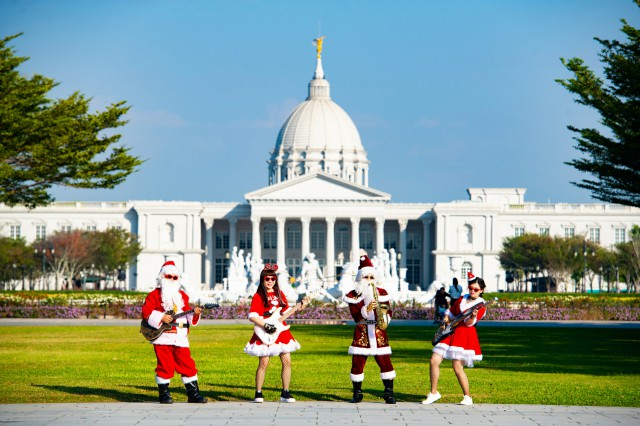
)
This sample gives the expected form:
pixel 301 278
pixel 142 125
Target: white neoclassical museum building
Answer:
pixel 318 200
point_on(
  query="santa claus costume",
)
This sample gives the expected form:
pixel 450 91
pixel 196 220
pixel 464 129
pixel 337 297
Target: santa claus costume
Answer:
pixel 368 338
pixel 172 346
pixel 267 299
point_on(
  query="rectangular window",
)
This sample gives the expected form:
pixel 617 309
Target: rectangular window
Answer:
pixel 518 231
pixel 594 235
pixel 620 235
pixel 221 268
pixel 294 266
pixel 569 232
pixel 245 241
pixel 222 240
pixel 91 228
pixel 391 240
pixel 366 239
pixel 41 232
pixel 65 228
pixel 317 239
pixel 15 232
pixel 342 238
pixel 294 238
pixel 544 232
pixel 414 241
pixel 413 271
pixel 270 238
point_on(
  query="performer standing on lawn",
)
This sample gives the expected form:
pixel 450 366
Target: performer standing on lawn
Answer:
pixel 172 347
pixel 267 299
pixel 462 347
pixel 369 339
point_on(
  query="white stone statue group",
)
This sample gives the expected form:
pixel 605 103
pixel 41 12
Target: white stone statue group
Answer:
pixel 244 274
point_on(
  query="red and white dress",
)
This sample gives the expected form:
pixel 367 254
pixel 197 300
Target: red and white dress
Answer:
pixel 285 342
pixel 463 343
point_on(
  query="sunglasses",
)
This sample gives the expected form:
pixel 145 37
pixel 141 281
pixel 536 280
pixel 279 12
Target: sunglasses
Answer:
pixel 171 277
pixel 269 278
pixel 474 289
pixel 369 277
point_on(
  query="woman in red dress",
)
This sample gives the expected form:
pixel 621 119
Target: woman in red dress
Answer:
pixel 462 347
pixel 267 299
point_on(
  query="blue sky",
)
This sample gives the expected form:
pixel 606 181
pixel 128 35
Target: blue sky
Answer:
pixel 446 95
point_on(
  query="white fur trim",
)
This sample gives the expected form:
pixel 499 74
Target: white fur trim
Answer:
pixel 161 381
pixel 354 350
pixel 155 319
pixel 366 270
pixel 357 377
pixel 186 380
pixel 457 352
pixel 388 375
pixel 254 315
pixel 352 300
pixel 256 349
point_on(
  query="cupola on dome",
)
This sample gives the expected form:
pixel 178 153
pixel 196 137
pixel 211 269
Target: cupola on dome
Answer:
pixel 319 136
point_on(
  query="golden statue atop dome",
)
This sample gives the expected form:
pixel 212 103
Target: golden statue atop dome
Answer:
pixel 318 43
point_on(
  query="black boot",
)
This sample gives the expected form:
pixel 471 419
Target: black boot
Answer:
pixel 164 394
pixel 388 392
pixel 357 392
pixel 194 393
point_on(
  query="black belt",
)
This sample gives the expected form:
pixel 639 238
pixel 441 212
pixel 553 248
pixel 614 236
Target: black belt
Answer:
pixel 179 325
pixel 368 322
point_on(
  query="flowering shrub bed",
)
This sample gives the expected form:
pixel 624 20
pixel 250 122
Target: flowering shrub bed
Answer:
pixel 129 306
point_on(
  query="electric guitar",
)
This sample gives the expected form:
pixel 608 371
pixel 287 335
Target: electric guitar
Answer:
pixel 151 333
pixel 447 330
pixel 277 321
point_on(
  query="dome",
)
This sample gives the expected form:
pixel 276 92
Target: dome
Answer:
pixel 319 136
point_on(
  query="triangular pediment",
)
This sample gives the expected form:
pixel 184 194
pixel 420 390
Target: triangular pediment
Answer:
pixel 317 186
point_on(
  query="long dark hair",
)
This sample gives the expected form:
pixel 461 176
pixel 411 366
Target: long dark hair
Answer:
pixel 262 290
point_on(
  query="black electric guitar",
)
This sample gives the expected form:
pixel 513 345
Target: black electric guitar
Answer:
pixel 447 330
pixel 151 333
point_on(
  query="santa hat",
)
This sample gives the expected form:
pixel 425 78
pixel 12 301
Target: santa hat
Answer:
pixel 365 268
pixel 169 267
pixel 471 278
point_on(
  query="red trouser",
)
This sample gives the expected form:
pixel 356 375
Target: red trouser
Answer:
pixel 358 362
pixel 174 358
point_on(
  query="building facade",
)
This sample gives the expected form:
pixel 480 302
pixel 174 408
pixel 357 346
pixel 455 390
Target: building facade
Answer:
pixel 318 200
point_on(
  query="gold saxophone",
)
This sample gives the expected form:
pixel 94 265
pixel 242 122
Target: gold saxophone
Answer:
pixel 381 310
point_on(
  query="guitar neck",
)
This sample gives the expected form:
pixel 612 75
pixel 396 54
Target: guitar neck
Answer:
pixel 183 313
pixel 288 314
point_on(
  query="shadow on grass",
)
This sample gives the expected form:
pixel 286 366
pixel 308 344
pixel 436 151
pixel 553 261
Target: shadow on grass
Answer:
pixel 596 352
pixel 271 393
pixel 148 396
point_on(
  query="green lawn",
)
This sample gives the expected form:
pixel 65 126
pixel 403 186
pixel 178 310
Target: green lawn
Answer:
pixel 561 366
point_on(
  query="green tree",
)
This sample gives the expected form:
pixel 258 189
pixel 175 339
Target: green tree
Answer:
pixel 45 143
pixel 612 158
pixel 113 250
pixel 16 257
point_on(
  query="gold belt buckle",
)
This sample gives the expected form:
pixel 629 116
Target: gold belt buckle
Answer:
pixel 180 325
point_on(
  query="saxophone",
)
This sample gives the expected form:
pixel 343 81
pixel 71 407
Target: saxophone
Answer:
pixel 381 311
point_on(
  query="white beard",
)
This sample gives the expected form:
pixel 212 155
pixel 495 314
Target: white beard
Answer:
pixel 363 287
pixel 171 297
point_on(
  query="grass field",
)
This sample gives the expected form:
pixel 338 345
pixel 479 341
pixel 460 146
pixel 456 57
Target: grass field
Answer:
pixel 557 366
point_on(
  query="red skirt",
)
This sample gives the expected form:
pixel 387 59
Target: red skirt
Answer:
pixel 463 344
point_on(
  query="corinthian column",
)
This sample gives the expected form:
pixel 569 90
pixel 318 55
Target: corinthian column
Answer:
pixel 331 254
pixel 256 247
pixel 208 261
pixel 402 224
pixel 355 239
pixel 305 235
pixel 281 221
pixel 379 236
